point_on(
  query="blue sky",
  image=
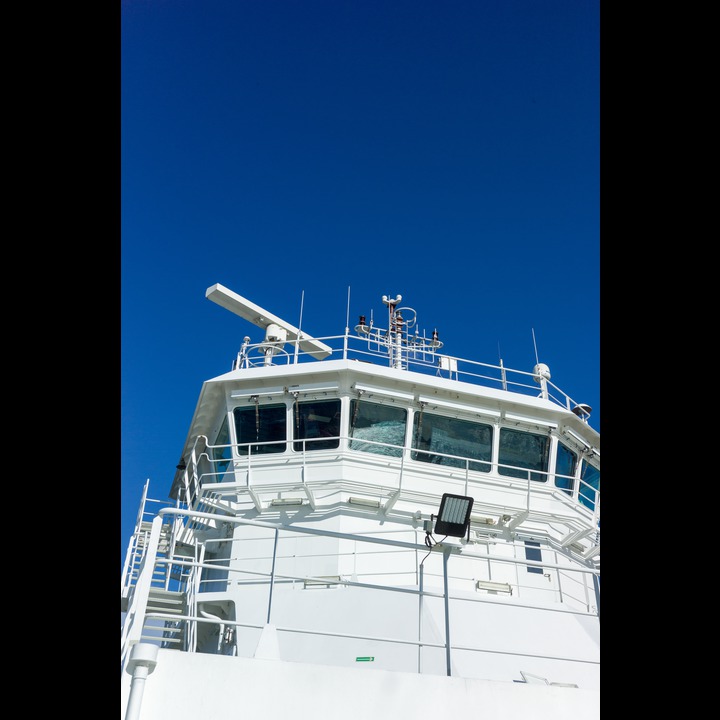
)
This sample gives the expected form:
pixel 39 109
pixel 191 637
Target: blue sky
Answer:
pixel 445 151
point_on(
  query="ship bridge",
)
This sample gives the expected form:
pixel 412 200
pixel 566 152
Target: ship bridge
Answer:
pixel 304 519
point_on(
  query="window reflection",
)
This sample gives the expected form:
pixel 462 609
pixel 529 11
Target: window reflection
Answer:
pixel 379 424
pixel 450 436
pixel 565 468
pixel 523 450
pixel 380 428
pixel 589 484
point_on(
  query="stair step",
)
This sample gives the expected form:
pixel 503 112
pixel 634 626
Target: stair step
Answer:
pixel 166 601
pixel 164 640
pixel 163 545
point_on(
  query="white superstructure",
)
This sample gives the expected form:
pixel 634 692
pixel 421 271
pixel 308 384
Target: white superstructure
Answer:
pixel 298 568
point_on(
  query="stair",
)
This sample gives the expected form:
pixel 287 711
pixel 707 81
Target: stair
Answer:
pixel 144 533
pixel 140 540
pixel 137 552
pixel 168 632
pixel 166 601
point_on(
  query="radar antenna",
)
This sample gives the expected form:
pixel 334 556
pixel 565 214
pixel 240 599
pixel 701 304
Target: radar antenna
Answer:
pixel 277 330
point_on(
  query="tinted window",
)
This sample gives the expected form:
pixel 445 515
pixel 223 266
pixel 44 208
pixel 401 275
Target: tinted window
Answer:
pixel 261 424
pixel 523 450
pixel 533 552
pixel 382 425
pixel 313 420
pixel 589 484
pixel 439 434
pixel 565 468
pixel 221 455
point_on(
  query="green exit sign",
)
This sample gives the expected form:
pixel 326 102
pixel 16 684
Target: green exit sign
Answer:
pixel 365 659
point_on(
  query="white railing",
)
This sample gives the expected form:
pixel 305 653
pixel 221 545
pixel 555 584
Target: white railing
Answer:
pixel 525 501
pixel 200 476
pixel 428 361
pixel 140 622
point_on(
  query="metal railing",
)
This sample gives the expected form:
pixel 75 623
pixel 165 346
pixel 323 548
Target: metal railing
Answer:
pixel 427 361
pixel 200 475
pixel 145 625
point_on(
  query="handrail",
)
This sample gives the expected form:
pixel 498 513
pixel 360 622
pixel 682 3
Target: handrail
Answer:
pixel 584 504
pixel 139 614
pixel 349 347
pixel 374 638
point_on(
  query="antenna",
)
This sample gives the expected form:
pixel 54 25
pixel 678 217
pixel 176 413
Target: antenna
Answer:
pixel 347 315
pixel 302 303
pixel 541 372
pixel 264 319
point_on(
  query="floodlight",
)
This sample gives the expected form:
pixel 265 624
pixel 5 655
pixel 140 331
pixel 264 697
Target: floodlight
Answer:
pixel 454 515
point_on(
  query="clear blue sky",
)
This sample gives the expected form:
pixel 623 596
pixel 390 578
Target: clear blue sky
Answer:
pixel 446 151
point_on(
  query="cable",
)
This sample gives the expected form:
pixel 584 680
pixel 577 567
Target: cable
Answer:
pixel 430 541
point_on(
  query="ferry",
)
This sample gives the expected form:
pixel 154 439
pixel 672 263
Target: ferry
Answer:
pixel 366 526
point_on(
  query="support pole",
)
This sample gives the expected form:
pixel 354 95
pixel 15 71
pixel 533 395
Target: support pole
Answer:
pixel 446 554
pixel 272 576
pixel 420 619
pixel 143 659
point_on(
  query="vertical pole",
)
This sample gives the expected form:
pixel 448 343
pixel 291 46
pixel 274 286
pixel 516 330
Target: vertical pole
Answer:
pixel 543 387
pixel 143 659
pixel 420 619
pixel 446 554
pixel 136 692
pixel 272 575
pixel 347 327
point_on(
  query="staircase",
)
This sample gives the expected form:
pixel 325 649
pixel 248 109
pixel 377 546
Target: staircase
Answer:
pixel 170 633
pixel 135 555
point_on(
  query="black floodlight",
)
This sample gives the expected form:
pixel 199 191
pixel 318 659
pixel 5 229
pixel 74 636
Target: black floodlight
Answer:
pixel 454 515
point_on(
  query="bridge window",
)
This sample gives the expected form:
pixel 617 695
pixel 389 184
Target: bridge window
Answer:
pixel 521 449
pixel 261 424
pixel 374 426
pixel 565 468
pixel 313 420
pixel 589 484
pixel 440 434
pixel 222 452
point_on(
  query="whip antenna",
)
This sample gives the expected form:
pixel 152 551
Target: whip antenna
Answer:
pixel 302 303
pixel 297 344
pixel 347 316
